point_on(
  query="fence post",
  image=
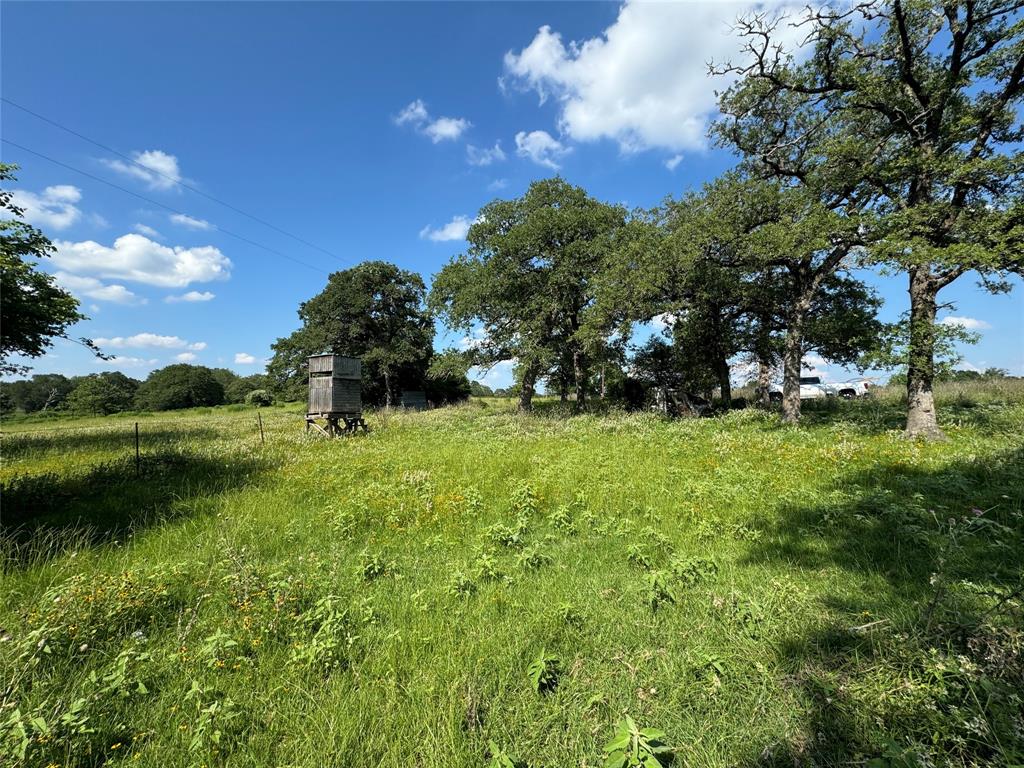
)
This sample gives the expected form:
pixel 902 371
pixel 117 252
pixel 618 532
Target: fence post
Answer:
pixel 137 469
pixel 259 418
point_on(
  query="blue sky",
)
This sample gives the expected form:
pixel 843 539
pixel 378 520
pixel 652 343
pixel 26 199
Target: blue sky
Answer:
pixel 373 131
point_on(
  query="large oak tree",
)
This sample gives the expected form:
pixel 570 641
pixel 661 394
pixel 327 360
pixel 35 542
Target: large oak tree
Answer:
pixel 907 111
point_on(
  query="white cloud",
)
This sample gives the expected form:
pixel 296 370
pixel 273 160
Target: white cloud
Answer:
pixel 191 296
pixel 673 162
pixel 152 340
pixel 446 128
pixel 644 81
pixel 483 156
pixel 148 231
pixel 95 289
pixel 456 229
pixel 663 321
pixel 53 208
pixel 186 357
pixel 439 129
pixel 497 184
pixel 129 362
pixel 139 259
pixel 541 147
pixel 415 113
pixel 188 222
pixel 244 358
pixel 968 323
pixel 159 170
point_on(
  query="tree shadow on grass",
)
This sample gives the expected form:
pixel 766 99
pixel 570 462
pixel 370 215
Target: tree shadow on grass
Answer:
pixel 873 416
pixel 925 661
pixel 71 439
pixel 43 514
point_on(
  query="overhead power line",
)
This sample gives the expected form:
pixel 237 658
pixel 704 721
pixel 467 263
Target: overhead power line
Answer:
pixel 174 179
pixel 151 201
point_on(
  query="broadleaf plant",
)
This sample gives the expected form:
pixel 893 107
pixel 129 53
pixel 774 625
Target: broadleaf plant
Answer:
pixel 636 747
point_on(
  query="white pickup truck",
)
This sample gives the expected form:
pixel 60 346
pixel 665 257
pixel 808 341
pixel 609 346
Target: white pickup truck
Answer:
pixel 811 388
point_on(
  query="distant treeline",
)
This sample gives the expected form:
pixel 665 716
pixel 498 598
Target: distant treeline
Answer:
pixel 170 388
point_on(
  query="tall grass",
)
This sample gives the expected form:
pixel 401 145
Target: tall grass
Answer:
pixel 764 595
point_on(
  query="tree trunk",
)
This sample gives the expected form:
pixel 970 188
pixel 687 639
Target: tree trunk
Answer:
pixel 724 382
pixel 579 370
pixel 921 417
pixel 526 389
pixel 387 389
pixel 764 381
pixel 604 390
pixel 792 358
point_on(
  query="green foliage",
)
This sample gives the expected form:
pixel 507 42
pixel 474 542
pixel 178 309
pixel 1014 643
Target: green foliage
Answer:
pixel 179 386
pixel 658 590
pixel 373 311
pixel 260 398
pixel 103 393
pixel 34 309
pixel 500 758
pixel 635 747
pixel 43 392
pixel 519 297
pixel 544 671
pixel 827 582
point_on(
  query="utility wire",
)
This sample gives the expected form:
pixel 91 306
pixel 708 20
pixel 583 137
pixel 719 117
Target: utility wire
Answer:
pixel 151 201
pixel 177 181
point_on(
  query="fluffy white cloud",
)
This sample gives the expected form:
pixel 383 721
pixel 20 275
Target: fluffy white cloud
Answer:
pixel 152 340
pixel 159 170
pixel 129 362
pixel 644 81
pixel 244 358
pixel 969 323
pixel 186 357
pixel 139 259
pixel 663 321
pixel 437 129
pixel 148 231
pixel 191 296
pixel 673 162
pixel 53 208
pixel 184 220
pixel 484 156
pixel 456 229
pixel 95 289
pixel 497 184
pixel 541 147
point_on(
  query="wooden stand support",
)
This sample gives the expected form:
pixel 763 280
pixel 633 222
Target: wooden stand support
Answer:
pixel 338 424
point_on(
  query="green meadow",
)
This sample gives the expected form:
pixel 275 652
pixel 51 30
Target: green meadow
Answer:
pixel 473 586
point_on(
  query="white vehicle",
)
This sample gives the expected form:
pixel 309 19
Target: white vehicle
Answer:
pixel 855 388
pixel 811 388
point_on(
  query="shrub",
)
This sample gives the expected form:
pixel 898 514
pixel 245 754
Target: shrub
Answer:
pixel 179 386
pixel 103 393
pixel 260 398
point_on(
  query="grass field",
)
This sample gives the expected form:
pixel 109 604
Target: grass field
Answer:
pixel 470 584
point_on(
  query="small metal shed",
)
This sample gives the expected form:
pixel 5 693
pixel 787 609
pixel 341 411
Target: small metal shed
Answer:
pixel 414 400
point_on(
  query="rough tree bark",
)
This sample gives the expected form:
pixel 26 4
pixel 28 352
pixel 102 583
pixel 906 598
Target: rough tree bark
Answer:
pixel 792 357
pixel 579 369
pixel 921 417
pixel 724 381
pixel 764 380
pixel 526 389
